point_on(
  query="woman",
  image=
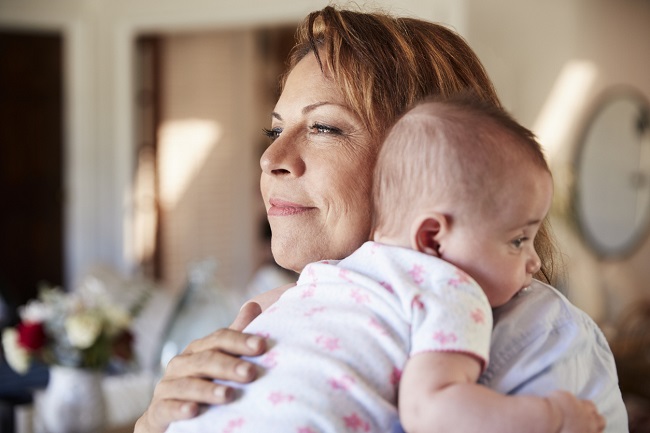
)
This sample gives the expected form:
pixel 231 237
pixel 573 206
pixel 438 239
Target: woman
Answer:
pixel 350 75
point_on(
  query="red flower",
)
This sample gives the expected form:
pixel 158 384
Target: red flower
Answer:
pixel 31 335
pixel 123 345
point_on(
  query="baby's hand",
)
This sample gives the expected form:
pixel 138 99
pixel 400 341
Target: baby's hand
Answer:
pixel 577 416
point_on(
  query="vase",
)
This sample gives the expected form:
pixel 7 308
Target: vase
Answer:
pixel 73 402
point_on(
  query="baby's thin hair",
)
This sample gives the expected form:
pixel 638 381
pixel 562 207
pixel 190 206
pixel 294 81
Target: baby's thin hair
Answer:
pixel 456 149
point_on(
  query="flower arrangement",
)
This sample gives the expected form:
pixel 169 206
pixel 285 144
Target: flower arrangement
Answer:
pixel 81 329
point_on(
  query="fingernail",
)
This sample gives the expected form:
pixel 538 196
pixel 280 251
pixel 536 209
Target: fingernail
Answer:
pixel 243 370
pixel 254 342
pixel 219 392
pixel 223 393
pixel 186 409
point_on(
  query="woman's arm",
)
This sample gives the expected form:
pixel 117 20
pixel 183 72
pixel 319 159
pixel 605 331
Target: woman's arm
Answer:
pixel 188 379
pixel 438 393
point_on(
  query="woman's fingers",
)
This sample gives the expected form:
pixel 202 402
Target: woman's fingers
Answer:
pixel 228 341
pixel 192 390
pixel 187 384
pixel 188 379
pixel 248 312
pixel 162 413
pixel 209 364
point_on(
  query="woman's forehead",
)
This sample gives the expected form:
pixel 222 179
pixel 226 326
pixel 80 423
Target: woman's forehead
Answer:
pixel 307 87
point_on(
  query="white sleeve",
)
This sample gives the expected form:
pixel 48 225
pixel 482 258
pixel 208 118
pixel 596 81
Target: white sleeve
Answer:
pixel 453 317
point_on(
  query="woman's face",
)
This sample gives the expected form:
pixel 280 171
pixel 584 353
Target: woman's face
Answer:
pixel 317 172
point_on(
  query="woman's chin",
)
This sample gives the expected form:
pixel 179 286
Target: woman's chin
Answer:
pixel 289 256
pixel 301 247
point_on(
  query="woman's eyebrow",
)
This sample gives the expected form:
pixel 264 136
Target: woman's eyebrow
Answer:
pixel 309 108
pixel 312 107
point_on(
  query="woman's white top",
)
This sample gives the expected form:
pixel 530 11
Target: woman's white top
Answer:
pixel 541 342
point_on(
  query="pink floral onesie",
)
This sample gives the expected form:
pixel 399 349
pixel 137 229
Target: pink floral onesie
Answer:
pixel 340 339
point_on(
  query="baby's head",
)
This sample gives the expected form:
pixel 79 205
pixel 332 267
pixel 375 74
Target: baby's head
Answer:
pixel 462 180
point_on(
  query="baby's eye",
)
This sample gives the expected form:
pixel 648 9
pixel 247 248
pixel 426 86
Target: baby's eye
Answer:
pixel 272 134
pixel 517 243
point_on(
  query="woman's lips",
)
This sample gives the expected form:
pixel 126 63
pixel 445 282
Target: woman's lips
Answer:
pixel 285 208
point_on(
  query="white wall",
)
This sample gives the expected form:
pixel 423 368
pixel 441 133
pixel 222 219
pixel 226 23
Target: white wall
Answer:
pixel 525 46
pixel 531 50
pixel 207 163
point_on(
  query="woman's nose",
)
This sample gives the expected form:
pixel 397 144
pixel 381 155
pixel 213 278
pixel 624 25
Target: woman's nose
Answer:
pixel 283 158
pixel 534 263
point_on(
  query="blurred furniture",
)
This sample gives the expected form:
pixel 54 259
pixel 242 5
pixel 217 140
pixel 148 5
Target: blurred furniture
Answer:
pixel 631 347
pixel 15 392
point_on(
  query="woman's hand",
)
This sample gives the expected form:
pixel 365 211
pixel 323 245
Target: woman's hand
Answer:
pixel 187 382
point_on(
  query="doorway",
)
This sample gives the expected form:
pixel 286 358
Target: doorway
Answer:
pixel 31 162
pixel 202 101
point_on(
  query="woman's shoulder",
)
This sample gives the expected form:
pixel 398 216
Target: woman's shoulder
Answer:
pixel 538 310
pixel 544 318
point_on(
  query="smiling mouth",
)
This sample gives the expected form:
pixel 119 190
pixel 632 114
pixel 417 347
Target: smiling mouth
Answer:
pixel 285 208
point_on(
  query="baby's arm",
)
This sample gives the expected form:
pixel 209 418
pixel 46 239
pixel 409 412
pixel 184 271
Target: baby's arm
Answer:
pixel 438 392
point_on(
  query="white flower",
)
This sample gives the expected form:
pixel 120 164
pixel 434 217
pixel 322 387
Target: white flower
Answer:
pixel 35 312
pixel 117 318
pixel 83 329
pixel 17 357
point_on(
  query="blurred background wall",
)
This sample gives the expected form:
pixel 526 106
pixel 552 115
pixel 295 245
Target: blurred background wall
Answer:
pixel 163 102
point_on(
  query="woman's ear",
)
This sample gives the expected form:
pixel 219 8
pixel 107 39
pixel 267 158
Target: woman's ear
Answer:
pixel 426 233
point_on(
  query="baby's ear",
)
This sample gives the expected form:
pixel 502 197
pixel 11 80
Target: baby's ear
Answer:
pixel 426 233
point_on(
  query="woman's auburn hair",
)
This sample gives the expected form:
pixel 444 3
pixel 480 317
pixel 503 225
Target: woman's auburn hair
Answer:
pixel 385 64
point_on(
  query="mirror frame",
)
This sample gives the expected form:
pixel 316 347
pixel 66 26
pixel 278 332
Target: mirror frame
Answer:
pixel 640 233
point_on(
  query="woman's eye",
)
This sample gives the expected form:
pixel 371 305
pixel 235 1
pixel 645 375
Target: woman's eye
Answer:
pixel 324 129
pixel 272 133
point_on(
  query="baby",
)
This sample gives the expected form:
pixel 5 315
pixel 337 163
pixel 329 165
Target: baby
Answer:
pixel 400 329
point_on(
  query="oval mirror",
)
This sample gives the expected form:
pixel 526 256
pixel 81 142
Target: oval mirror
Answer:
pixel 612 184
